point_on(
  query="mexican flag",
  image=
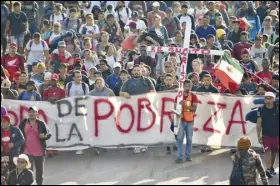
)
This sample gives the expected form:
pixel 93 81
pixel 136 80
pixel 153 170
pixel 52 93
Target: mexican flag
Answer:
pixel 230 73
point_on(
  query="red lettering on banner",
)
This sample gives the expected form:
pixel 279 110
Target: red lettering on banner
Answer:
pixel 180 94
pixel 178 50
pixel 184 52
pixel 24 109
pixel 154 49
pixel 221 106
pixel 97 116
pixel 195 50
pixel 205 52
pixel 164 112
pixel 159 49
pixel 140 107
pixel 171 49
pixel 16 121
pixel 118 119
pixel 184 60
pixel 231 121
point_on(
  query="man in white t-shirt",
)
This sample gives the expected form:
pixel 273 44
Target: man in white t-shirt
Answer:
pixel 76 87
pixel 140 24
pixel 58 16
pixel 123 14
pixel 37 49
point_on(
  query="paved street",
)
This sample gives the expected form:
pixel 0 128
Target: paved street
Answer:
pixel 121 166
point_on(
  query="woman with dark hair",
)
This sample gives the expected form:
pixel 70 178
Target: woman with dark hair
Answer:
pixel 104 41
pixel 254 20
pixel 132 55
pixel 72 44
pixel 261 89
pixel 110 55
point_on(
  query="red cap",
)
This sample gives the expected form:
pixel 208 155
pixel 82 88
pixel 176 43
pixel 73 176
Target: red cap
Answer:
pixel 132 25
pixel 6 118
pixel 13 45
pixel 77 59
pixel 54 77
pixel 245 51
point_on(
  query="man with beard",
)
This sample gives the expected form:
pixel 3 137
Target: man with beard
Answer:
pixel 147 60
pixel 168 84
pixel 137 84
pixel 189 107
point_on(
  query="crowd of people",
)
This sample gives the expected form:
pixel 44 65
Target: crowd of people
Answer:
pixel 53 50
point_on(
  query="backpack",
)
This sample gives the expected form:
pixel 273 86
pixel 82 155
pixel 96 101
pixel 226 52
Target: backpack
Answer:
pixel 122 24
pixel 236 176
pixel 70 85
pixel 262 29
pixel 52 17
pixel 78 24
pixel 31 43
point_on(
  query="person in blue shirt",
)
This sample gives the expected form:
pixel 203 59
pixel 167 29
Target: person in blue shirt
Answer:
pixel 114 78
pixel 30 94
pixel 206 29
pixel 255 23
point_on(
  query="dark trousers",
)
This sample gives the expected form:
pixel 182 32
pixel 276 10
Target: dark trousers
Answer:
pixel 3 39
pixel 39 162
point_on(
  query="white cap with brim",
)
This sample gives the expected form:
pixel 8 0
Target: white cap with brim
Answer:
pixel 270 94
pixel 25 157
pixel 117 65
pixel 155 4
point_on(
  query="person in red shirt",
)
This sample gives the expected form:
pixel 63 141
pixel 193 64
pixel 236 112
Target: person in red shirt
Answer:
pixel 238 47
pixel 11 140
pixel 13 61
pixel 54 93
pixel 265 74
pixel 60 55
pixel 189 106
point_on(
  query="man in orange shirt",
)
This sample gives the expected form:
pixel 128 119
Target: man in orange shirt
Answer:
pixel 189 106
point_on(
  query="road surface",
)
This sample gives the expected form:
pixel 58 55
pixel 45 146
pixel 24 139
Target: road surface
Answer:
pixel 121 166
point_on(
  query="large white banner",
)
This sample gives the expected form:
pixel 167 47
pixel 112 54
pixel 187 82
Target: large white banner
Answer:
pixel 82 122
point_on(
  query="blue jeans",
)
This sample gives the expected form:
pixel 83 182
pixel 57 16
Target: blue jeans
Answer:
pixel 32 29
pixel 185 127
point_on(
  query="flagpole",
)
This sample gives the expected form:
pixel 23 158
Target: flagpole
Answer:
pixel 258 77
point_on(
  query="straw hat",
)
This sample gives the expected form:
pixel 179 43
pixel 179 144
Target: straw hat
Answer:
pixel 25 157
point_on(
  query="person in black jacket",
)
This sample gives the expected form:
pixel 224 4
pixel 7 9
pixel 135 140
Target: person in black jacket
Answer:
pixel 12 140
pixel 21 175
pixel 36 133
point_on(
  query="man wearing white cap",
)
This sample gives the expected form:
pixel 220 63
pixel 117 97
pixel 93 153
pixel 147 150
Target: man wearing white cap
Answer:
pixel 46 84
pixel 22 175
pixel 268 131
pixel 150 16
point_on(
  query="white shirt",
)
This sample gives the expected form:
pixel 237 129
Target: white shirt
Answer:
pixel 53 36
pixel 140 25
pixel 186 19
pixel 111 61
pixel 123 15
pixel 76 90
pixel 88 65
pixel 36 52
pixel 56 18
pixel 257 54
pixel 90 30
